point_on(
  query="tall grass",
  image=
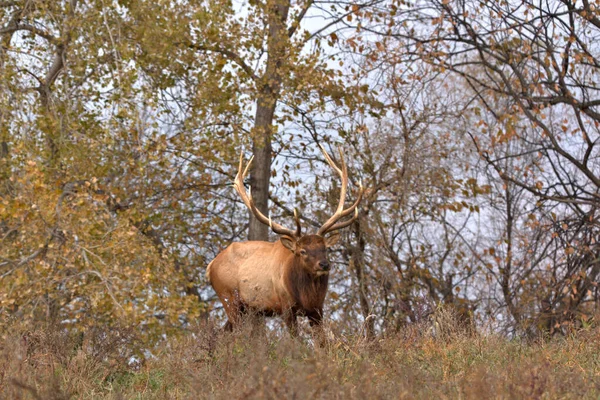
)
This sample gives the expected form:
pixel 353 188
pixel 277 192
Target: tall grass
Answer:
pixel 438 360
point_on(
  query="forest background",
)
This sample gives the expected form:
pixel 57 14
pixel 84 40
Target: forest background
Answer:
pixel 474 126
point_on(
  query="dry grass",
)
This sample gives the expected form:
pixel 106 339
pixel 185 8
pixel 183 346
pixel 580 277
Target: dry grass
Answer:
pixel 420 362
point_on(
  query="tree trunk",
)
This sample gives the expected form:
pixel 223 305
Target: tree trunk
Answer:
pixel 268 94
pixel 507 270
pixel 358 261
pixel 4 126
pixel 261 171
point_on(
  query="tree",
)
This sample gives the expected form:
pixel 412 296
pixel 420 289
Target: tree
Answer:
pixel 81 168
pixel 531 68
pixel 268 49
pixel 121 123
pixel 410 246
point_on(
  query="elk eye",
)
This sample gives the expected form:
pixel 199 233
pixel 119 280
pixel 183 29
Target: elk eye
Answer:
pixel 303 252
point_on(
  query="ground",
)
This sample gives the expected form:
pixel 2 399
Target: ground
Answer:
pixel 416 362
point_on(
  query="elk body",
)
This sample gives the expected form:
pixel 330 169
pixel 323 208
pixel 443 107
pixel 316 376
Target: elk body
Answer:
pixel 288 277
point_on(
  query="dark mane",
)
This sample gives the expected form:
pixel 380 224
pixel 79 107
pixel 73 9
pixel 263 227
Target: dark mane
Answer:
pixel 308 291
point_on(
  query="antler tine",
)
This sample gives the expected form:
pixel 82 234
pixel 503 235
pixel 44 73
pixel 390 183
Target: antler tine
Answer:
pixel 348 211
pixel 340 212
pixel 344 224
pixel 343 173
pixel 247 166
pixel 344 188
pixel 238 184
pixel 298 226
pixel 329 160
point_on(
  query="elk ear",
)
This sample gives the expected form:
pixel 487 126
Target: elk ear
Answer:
pixel 332 240
pixel 288 243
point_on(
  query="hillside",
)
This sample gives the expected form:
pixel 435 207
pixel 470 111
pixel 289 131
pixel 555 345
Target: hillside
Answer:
pixel 205 363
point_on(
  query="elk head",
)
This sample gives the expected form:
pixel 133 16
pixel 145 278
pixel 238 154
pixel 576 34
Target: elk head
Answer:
pixel 310 251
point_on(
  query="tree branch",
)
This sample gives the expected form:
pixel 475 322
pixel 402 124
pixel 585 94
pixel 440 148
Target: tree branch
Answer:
pixel 292 29
pixel 16 25
pixel 231 55
pixel 57 66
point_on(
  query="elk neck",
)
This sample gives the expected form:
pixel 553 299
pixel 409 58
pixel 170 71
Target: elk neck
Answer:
pixel 306 289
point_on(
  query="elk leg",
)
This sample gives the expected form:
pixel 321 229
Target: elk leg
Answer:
pixel 258 324
pixel 232 306
pixel 290 320
pixel 315 319
pixel 228 327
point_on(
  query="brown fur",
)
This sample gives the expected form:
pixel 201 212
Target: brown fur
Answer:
pixel 273 279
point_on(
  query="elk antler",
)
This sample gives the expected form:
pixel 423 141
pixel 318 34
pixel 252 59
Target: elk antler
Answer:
pixel 238 184
pixel 332 223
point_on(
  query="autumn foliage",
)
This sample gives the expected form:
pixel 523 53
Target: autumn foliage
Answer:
pixel 473 125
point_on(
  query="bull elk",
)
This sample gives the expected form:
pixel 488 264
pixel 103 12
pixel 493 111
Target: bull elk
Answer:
pixel 288 277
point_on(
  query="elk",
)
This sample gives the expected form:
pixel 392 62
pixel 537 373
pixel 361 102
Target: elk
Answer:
pixel 288 277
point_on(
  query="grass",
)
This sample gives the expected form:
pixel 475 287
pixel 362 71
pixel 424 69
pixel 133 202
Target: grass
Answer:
pixel 208 363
